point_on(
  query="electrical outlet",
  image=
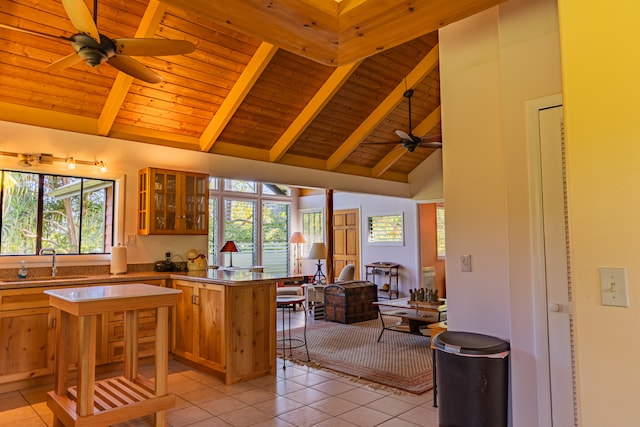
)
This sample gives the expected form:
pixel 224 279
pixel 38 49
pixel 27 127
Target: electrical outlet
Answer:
pixel 465 263
pixel 130 239
pixel 613 287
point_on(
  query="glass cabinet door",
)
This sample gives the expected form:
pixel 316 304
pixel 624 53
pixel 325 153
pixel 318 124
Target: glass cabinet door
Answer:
pixel 195 206
pixel 165 201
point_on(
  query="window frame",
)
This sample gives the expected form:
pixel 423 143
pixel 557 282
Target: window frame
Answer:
pixel 217 191
pixel 113 207
pixel 397 242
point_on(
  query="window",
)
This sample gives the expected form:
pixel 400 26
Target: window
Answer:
pixel 256 216
pixel 275 236
pixel 240 226
pixel 386 229
pixel 73 215
pixel 440 229
pixel 312 229
pixel 239 186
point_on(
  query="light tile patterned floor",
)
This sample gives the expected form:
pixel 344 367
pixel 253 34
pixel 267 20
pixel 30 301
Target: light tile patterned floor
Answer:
pixel 295 396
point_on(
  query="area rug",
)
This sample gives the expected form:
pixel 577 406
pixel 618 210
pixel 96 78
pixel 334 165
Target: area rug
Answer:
pixel 399 360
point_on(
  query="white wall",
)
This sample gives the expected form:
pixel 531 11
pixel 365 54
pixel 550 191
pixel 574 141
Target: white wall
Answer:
pixel 125 158
pixel 407 256
pixel 490 65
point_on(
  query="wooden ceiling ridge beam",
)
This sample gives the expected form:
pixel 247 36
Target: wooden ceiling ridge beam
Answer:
pixel 120 89
pixel 237 94
pixel 335 81
pixel 415 76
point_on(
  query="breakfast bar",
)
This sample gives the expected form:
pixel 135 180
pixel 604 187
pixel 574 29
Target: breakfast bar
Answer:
pixel 117 399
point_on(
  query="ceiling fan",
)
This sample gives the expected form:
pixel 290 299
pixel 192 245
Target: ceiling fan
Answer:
pixel 409 140
pixel 95 48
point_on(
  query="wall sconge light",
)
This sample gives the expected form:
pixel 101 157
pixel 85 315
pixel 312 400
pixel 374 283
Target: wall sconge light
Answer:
pixel 71 164
pixel 102 165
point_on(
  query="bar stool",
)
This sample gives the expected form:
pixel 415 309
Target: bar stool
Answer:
pixel 286 304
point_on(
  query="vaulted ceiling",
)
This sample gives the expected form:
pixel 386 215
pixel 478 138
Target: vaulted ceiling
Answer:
pixel 311 83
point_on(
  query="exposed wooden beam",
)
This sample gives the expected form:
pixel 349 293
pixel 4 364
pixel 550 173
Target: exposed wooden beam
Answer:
pixel 147 28
pixel 335 33
pixel 298 26
pixel 428 123
pixel 312 109
pixel 152 136
pixel 47 118
pixel 236 95
pixel 388 160
pixel 424 67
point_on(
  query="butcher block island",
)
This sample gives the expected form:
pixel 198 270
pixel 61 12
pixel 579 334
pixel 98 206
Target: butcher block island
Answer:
pixel 223 322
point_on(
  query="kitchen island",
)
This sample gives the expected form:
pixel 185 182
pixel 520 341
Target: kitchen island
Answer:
pixel 224 322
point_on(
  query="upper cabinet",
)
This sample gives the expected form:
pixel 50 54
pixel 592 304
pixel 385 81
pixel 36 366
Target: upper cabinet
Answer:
pixel 172 202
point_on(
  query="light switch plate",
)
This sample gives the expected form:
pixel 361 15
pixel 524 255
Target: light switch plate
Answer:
pixel 465 263
pixel 613 287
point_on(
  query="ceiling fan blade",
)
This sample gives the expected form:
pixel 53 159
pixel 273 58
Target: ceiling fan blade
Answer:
pixel 152 47
pixel 134 68
pixel 34 33
pixel 64 62
pixel 403 135
pixel 434 144
pixel 81 18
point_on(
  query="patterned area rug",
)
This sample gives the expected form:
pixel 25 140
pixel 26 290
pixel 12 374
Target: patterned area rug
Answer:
pixel 401 361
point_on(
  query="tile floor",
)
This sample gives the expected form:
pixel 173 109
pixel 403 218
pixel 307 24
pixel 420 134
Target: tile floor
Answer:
pixel 295 396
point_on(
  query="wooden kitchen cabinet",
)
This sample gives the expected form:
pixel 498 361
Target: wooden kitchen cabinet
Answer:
pixel 27 336
pixel 229 329
pixel 199 326
pixel 172 202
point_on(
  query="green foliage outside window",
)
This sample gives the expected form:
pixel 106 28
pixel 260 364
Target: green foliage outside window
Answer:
pixel 68 214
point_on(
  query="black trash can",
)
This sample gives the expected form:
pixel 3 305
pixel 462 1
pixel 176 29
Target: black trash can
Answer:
pixel 472 381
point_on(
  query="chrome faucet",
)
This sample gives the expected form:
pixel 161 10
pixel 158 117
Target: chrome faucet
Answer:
pixel 45 251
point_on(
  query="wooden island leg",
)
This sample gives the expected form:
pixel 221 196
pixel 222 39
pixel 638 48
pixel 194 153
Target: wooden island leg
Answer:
pixel 86 364
pixel 162 359
pixel 130 364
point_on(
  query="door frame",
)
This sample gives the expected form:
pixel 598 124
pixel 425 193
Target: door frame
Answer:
pixel 539 277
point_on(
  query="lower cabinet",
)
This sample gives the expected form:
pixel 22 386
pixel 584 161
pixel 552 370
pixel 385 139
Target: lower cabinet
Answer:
pixel 227 328
pixel 27 334
pixel 199 325
pixel 27 337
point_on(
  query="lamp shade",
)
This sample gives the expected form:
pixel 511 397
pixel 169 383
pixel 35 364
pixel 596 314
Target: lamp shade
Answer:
pixel 229 246
pixel 318 251
pixel 297 237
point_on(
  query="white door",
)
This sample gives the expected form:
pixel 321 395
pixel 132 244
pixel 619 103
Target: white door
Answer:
pixel 556 267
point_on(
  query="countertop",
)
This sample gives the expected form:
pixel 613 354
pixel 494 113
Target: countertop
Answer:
pixel 227 278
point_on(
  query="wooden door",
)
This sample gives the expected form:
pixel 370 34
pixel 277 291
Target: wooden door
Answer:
pixel 346 240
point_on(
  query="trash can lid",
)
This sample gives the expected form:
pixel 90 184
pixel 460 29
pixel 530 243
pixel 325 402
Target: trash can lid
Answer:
pixel 469 343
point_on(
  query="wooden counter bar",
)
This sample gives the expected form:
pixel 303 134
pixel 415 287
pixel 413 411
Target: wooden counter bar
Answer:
pixel 118 399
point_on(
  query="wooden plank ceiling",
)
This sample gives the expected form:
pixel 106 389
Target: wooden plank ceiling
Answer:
pixel 236 94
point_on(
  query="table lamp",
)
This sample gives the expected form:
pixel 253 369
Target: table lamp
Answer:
pixel 230 246
pixel 318 251
pixel 297 238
